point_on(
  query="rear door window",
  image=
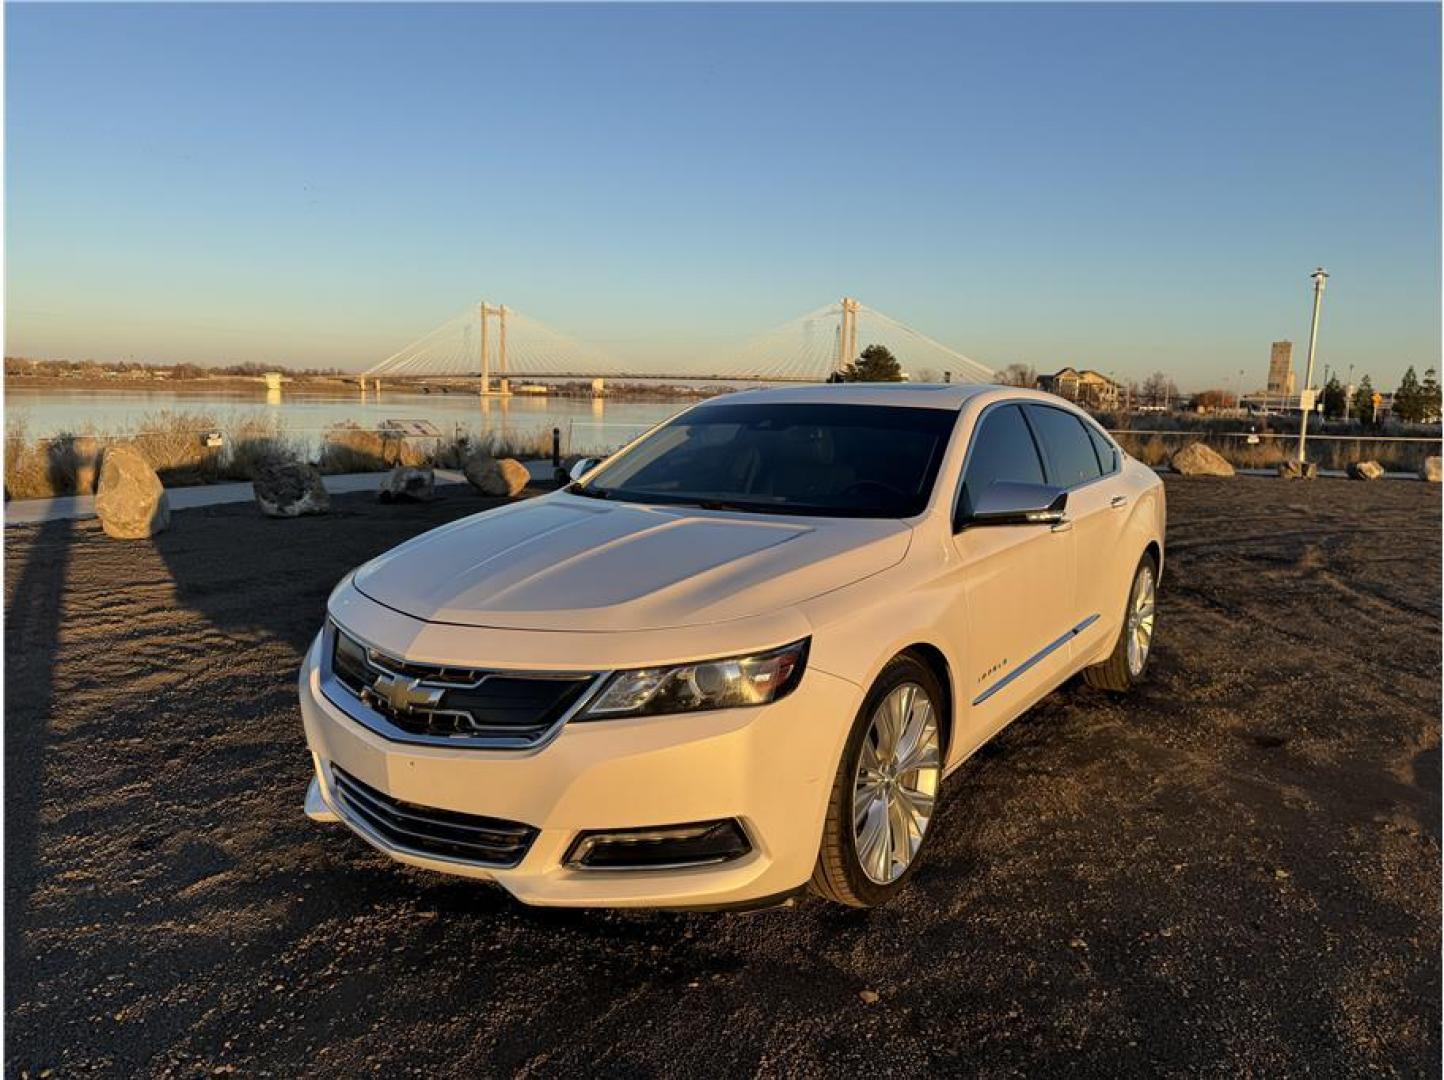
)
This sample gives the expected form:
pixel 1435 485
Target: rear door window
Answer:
pixel 1067 447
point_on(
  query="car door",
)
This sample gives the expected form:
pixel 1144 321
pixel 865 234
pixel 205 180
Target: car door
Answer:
pixel 1017 580
pixel 1073 459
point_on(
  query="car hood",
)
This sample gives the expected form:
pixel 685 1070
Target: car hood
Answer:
pixel 568 563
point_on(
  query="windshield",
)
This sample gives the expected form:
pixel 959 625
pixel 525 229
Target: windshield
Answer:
pixel 833 460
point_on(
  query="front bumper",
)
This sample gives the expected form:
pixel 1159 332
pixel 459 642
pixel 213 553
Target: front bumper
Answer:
pixel 770 767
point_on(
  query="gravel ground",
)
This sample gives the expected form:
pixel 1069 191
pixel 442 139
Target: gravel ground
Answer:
pixel 1236 869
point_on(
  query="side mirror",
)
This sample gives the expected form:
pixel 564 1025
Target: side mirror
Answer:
pixel 1005 502
pixel 583 466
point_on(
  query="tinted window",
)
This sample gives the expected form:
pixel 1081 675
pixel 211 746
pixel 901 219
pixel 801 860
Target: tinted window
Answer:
pixel 1107 455
pixel 1067 447
pixel 1003 449
pixel 840 460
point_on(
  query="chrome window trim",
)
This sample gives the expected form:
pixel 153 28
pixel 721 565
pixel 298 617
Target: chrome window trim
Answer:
pixel 341 696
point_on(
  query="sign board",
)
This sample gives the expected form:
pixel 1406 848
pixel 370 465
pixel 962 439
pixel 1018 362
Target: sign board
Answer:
pixel 1306 400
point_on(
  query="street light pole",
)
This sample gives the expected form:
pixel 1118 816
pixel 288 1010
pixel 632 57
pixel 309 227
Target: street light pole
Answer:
pixel 1320 275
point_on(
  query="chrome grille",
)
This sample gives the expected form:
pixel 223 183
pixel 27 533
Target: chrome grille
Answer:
pixel 450 703
pixel 426 830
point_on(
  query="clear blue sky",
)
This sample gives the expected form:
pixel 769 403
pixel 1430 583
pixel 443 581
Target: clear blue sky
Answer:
pixel 1127 188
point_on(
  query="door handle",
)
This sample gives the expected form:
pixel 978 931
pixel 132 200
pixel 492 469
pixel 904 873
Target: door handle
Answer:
pixel 1118 502
pixel 1063 526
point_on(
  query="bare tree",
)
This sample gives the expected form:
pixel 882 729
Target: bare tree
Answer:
pixel 1017 375
pixel 1159 389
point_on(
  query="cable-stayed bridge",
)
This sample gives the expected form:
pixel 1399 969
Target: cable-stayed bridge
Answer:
pixel 493 341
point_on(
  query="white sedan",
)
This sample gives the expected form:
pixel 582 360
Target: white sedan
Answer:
pixel 739 657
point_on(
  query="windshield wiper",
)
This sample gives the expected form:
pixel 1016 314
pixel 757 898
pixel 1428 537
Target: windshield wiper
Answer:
pixel 588 492
pixel 726 504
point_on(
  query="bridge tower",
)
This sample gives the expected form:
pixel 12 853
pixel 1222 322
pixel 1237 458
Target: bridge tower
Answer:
pixel 847 334
pixel 485 311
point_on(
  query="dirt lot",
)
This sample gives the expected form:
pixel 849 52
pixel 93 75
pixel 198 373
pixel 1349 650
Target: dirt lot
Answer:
pixel 1236 869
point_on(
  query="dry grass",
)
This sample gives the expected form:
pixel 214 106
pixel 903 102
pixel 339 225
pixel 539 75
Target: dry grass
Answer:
pixel 349 448
pixel 453 453
pixel 1155 449
pixel 174 444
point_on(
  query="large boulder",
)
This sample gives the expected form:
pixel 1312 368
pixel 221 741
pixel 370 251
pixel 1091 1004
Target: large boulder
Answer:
pixel 1430 470
pixel 407 484
pixel 130 501
pixel 1293 469
pixel 1366 470
pixel 288 489
pixel 1198 459
pixel 502 477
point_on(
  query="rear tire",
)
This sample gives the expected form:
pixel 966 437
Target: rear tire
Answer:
pixel 1128 662
pixel 884 796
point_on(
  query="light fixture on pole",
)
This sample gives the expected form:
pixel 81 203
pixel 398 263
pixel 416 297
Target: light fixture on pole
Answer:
pixel 1306 395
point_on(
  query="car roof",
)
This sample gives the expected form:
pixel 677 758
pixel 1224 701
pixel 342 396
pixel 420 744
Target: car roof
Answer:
pixel 909 395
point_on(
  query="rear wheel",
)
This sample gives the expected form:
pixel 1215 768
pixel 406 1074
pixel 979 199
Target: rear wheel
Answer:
pixel 1128 661
pixel 885 791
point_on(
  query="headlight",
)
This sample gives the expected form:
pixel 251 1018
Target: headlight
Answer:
pixel 708 684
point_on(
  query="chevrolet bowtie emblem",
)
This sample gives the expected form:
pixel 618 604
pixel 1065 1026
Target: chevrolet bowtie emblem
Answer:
pixel 402 695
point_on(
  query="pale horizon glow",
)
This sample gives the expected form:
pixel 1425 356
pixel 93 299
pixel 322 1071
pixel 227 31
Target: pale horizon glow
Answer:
pixel 1126 188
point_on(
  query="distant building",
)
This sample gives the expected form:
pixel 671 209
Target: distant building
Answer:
pixel 1085 387
pixel 273 380
pixel 1281 368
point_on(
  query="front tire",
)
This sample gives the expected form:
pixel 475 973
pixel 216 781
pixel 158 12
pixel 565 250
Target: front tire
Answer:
pixel 1126 665
pixel 885 792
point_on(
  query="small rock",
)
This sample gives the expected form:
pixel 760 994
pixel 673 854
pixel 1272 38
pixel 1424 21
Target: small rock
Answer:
pixel 503 477
pixel 869 997
pixel 1281 875
pixel 1078 943
pixel 406 483
pixel 1297 470
pixel 131 502
pixel 1431 470
pixel 288 489
pixel 1366 470
pixel 1198 459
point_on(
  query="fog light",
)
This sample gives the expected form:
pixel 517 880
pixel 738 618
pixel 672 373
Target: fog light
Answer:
pixel 663 848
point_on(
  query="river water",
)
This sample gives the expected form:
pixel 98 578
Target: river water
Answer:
pixel 586 423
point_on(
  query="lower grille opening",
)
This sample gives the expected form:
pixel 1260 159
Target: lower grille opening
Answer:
pixel 663 848
pixel 484 841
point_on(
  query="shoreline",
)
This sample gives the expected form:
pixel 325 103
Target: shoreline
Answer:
pixel 322 385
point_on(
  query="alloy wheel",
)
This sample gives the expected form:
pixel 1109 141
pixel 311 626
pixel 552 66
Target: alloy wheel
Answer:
pixel 896 784
pixel 1140 620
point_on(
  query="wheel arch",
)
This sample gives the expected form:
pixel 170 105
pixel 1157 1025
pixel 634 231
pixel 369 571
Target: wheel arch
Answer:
pixel 935 661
